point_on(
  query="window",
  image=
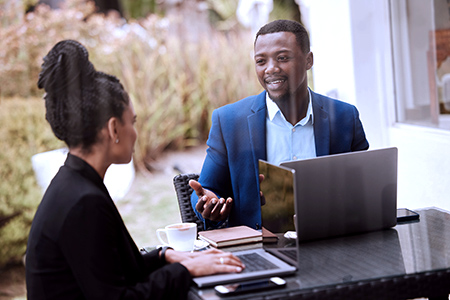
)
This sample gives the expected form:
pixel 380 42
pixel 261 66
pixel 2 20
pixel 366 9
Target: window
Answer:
pixel 421 55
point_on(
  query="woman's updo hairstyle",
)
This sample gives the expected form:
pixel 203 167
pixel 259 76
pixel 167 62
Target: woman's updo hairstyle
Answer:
pixel 79 100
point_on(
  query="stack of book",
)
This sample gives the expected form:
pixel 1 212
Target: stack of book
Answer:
pixel 268 236
pixel 232 236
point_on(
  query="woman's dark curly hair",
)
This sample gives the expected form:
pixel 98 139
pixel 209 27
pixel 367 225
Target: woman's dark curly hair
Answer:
pixel 79 100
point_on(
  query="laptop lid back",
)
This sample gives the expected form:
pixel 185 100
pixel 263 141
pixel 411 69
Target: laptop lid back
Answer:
pixel 346 193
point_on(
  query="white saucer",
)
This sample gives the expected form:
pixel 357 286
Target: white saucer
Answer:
pixel 200 245
pixel 291 235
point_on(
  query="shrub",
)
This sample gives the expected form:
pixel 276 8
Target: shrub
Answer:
pixel 24 132
pixel 176 86
pixel 29 39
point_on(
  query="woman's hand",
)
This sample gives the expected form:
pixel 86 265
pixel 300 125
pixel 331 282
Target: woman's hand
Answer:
pixel 212 261
pixel 173 256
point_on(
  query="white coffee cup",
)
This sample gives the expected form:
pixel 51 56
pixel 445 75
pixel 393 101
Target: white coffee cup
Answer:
pixel 180 236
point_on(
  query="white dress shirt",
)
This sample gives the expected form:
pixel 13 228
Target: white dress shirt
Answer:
pixel 285 142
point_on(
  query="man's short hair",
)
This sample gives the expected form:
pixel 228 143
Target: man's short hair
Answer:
pixel 296 28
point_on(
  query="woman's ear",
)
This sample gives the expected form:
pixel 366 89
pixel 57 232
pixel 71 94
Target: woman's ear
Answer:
pixel 112 129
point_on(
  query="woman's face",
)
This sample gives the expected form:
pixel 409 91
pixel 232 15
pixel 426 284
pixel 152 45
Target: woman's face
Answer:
pixel 127 135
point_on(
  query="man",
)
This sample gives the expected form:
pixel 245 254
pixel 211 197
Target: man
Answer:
pixel 287 121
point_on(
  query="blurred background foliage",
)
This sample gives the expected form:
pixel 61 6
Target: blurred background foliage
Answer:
pixel 23 134
pixel 175 77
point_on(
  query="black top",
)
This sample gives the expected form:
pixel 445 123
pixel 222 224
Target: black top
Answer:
pixel 79 247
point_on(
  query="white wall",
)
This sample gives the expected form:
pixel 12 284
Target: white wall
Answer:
pixel 332 48
pixel 424 166
pixel 351 41
pixel 347 41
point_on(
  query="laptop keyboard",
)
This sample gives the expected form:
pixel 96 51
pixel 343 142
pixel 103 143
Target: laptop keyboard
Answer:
pixel 255 262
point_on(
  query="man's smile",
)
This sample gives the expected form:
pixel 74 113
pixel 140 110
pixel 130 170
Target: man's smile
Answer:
pixel 275 83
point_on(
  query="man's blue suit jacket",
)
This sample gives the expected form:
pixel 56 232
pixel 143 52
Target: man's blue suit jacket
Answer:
pixel 237 140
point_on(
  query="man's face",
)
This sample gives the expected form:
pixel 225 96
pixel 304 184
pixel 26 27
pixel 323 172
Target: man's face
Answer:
pixel 281 65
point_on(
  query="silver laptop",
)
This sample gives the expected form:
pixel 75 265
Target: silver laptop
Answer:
pixel 344 194
pixel 336 195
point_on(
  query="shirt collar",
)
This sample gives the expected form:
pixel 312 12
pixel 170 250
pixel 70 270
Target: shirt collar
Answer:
pixel 273 109
pixel 82 167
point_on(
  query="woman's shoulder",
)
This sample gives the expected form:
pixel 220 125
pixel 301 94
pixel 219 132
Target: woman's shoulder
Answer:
pixel 70 188
pixel 74 184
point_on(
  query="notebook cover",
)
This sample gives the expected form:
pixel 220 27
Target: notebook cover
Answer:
pixel 231 236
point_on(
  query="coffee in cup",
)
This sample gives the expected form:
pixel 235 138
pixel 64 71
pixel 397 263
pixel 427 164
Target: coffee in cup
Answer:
pixel 180 236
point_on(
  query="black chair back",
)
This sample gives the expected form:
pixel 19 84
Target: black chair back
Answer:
pixel 184 191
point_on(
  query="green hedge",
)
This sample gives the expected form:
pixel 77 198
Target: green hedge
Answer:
pixel 24 133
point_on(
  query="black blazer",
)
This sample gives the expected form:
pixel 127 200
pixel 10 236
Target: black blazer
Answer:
pixel 79 247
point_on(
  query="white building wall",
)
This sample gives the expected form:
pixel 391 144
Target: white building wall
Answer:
pixel 332 48
pixel 351 41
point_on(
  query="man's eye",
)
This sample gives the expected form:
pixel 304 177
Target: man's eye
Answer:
pixel 259 61
pixel 282 58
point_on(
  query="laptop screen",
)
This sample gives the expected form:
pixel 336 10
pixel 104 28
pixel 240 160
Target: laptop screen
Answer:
pixel 277 209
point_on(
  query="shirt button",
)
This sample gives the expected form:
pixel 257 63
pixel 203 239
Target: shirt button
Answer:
pixel 294 157
pixel 293 129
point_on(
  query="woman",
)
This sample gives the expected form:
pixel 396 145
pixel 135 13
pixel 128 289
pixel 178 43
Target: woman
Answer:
pixel 79 247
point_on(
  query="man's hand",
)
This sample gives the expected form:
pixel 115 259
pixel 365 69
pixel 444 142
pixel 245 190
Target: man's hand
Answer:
pixel 209 205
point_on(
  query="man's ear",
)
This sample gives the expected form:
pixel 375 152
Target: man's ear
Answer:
pixel 112 129
pixel 309 60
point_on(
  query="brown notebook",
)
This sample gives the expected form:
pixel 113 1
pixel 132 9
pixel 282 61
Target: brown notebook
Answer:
pixel 231 236
pixel 268 236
